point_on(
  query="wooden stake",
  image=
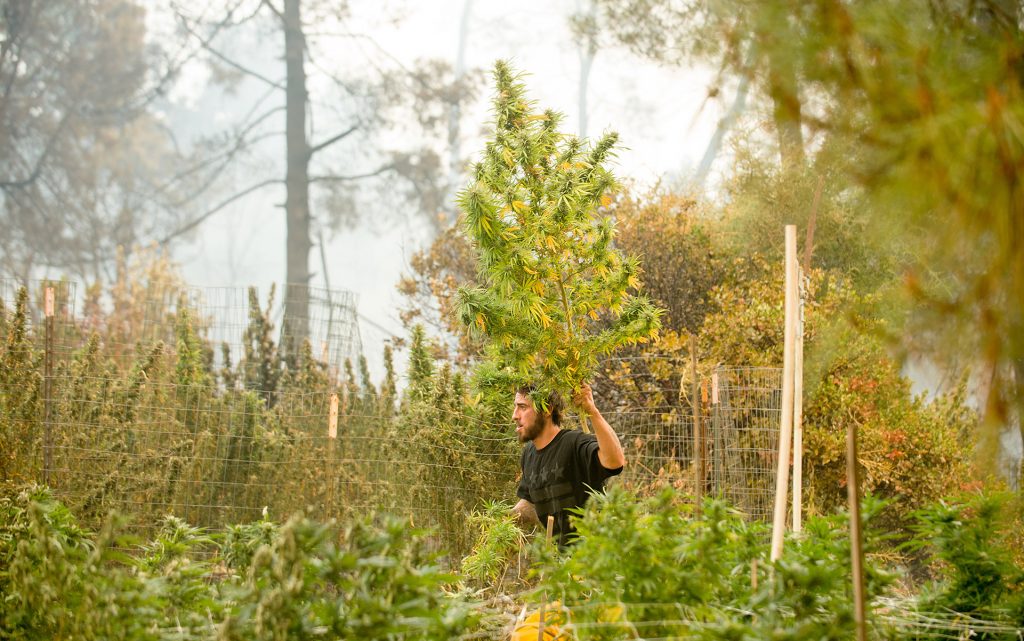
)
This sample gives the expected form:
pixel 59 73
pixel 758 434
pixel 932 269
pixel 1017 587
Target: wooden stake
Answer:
pixel 856 548
pixel 332 419
pixel 786 423
pixel 798 392
pixel 544 604
pixel 332 437
pixel 698 434
pixel 714 388
pixel 48 384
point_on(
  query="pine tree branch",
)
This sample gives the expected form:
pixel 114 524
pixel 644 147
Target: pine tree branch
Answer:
pixel 207 44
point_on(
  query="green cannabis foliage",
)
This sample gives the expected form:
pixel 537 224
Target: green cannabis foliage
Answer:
pixel 555 295
pixel 500 540
pixel 452 457
pixel 21 383
pixel 646 568
pixel 978 576
pixel 375 579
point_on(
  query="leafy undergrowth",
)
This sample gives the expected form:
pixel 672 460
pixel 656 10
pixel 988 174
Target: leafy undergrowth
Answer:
pixel 643 568
pixel 374 579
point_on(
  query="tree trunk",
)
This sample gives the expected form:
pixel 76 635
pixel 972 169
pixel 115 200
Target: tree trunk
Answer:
pixel 455 118
pixel 296 314
pixel 587 53
pixel 715 144
pixel 786 108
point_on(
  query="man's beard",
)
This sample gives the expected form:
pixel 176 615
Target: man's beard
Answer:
pixel 532 430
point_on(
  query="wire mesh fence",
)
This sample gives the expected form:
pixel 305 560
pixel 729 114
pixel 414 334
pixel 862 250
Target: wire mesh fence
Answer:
pixel 192 402
pixel 745 424
pixel 189 401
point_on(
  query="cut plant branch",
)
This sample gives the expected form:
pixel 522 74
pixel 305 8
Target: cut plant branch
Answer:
pixel 554 295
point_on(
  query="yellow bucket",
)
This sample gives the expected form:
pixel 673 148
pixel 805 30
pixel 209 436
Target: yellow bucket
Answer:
pixel 555 618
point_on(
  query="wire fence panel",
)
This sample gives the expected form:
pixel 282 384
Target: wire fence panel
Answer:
pixel 185 401
pixel 745 434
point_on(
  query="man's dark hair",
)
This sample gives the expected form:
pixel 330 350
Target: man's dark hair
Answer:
pixel 555 404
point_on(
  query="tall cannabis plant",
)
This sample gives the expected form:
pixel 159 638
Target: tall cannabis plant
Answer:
pixel 554 294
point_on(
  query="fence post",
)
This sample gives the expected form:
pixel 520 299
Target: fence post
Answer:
pixel 786 423
pixel 698 433
pixel 856 548
pixel 332 437
pixel 48 384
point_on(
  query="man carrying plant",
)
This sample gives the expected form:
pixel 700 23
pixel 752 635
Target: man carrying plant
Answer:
pixel 560 467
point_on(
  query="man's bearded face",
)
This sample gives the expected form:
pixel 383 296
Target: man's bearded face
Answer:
pixel 532 430
pixel 529 422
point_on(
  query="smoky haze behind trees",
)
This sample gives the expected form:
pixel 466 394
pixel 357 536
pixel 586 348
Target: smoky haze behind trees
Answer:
pixel 83 155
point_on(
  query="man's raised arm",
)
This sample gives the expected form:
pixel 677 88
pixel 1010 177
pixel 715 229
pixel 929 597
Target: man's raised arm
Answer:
pixel 609 449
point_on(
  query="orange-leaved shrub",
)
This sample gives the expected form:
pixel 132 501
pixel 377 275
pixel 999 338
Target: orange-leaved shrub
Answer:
pixel 911 450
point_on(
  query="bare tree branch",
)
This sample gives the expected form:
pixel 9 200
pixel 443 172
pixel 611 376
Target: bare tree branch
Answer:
pixel 40 162
pixel 207 214
pixel 277 12
pixel 242 141
pixel 208 46
pixel 333 178
pixel 245 70
pixel 176 63
pixel 330 141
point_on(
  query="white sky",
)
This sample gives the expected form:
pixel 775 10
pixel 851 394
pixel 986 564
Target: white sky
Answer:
pixel 656 111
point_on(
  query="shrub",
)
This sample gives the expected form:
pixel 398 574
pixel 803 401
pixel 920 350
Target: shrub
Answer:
pixel 910 450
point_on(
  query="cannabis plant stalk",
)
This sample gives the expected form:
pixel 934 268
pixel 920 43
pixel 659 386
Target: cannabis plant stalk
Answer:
pixel 554 294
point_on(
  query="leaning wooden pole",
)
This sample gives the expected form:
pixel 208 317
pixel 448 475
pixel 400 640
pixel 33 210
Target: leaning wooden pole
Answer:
pixel 786 422
pixel 798 412
pixel 856 548
pixel 798 373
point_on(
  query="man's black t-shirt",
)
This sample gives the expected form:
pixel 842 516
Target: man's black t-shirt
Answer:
pixel 561 476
